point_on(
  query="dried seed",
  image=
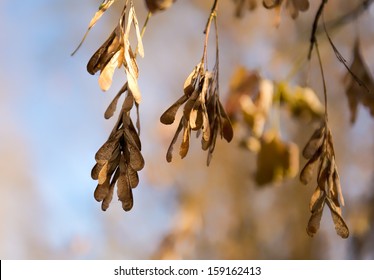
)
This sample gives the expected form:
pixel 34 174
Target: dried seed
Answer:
pixel 168 117
pixel 96 170
pixel 103 174
pixel 108 199
pixel 101 191
pixel 169 154
pixel 136 158
pixel 102 56
pixel 113 105
pixel 317 198
pixel 314 143
pixel 315 219
pixel 186 141
pixel 307 172
pixel 106 75
pixel 340 226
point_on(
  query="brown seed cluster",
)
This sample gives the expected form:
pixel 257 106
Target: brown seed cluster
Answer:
pixel 202 112
pixel 319 151
pixel 119 159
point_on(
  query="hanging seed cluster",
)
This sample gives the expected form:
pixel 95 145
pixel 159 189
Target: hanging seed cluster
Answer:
pixel 319 151
pixel 202 112
pixel 119 159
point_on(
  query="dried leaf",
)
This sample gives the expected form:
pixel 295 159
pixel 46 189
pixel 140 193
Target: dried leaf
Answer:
pixel 360 87
pixel 276 160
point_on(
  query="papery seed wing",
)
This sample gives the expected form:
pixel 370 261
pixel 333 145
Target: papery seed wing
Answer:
pixel 124 191
pixel 185 141
pixel 136 158
pixel 132 14
pixel 337 187
pixel 169 154
pixel 134 135
pixel 103 55
pixel 133 177
pixel 113 105
pixel 102 8
pixel 206 126
pixel 340 226
pixel 106 150
pixel 101 191
pixel 103 174
pixel 190 105
pixel 307 172
pixel 96 170
pixel 132 75
pixel 212 145
pixel 316 198
pixel 227 131
pixel 106 75
pixel 314 143
pixel 128 103
pixel 189 83
pixel 168 117
pixel 315 219
pixel 108 198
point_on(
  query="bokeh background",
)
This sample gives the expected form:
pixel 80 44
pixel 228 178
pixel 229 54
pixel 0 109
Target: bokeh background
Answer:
pixel 51 125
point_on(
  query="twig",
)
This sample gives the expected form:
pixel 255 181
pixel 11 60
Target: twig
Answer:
pixel 314 29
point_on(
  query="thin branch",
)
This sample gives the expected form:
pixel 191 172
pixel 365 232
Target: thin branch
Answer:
pixel 323 78
pixel 315 27
pixel 213 14
pixel 343 61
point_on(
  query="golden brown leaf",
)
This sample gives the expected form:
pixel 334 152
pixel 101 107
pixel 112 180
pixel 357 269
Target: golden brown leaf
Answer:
pixel 276 160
